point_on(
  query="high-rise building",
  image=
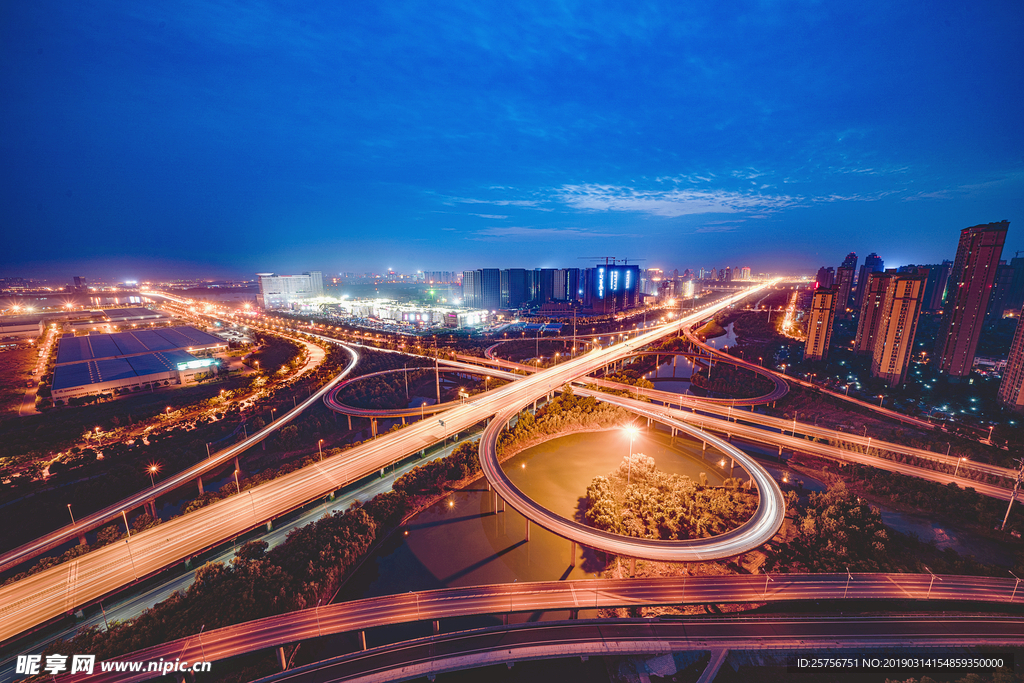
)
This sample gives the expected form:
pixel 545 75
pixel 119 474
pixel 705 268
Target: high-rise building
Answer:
pixel 969 288
pixel 566 285
pixel 1011 388
pixel 490 289
pixel 1015 297
pixel 819 325
pixel 935 289
pixel 875 288
pixel 281 291
pixel 872 264
pixel 1002 287
pixel 745 273
pixel 844 283
pixel 80 283
pixel 897 325
pixel 471 294
pixel 826 277
pixel 612 288
pixel 513 288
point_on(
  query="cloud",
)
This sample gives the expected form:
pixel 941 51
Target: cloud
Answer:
pixel 496 202
pixel 487 215
pixel 522 232
pixel 670 203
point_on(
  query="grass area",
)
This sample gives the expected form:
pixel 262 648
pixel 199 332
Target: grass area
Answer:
pixel 275 353
pixel 15 366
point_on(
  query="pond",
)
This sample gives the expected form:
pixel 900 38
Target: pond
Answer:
pixel 461 541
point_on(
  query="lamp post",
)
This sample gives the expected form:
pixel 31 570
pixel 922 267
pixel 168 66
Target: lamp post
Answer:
pixel 631 430
pixel 152 469
pixel 238 487
pixel 957 468
pixel 73 523
pixel 320 447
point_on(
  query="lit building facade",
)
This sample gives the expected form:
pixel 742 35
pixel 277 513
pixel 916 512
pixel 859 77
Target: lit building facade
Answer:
pixel 874 288
pixel 281 291
pixel 819 325
pixel 896 327
pixel 968 292
pixel 1011 388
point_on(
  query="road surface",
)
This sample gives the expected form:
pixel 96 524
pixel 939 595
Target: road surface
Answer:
pixel 359 615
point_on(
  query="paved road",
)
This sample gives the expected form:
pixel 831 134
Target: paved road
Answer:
pixel 166 485
pixel 758 530
pixel 499 645
pixel 359 615
pixel 46 595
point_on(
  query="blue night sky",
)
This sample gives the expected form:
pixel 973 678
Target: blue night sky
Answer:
pixel 145 139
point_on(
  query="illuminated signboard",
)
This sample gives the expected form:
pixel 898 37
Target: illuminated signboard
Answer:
pixel 600 283
pixel 197 363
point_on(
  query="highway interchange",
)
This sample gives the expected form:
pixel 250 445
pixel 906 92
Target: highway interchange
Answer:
pixel 70 586
pixel 359 615
pixel 38 598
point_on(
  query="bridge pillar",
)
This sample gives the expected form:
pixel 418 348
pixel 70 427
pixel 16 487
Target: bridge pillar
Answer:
pixel 632 567
pixel 527 528
pixel 373 427
pixel 349 422
pixel 403 420
pixel 81 540
pixel 199 480
pixel 572 555
pixel 281 658
pixel 504 619
pixel 574 614
pixel 362 640
pixel 237 466
pixel 502 504
pixel 435 626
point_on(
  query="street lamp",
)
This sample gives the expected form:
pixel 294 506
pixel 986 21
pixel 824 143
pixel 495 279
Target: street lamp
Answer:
pixel 632 431
pixel 73 523
pixel 152 469
pixel 957 468
pixel 320 447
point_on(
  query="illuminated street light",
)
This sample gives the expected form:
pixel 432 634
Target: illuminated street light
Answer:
pixel 152 469
pixel 320 447
pixel 632 431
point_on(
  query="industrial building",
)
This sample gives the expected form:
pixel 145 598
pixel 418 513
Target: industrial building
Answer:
pixel 281 291
pixel 105 363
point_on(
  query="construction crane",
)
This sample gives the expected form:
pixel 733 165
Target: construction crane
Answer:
pixel 610 260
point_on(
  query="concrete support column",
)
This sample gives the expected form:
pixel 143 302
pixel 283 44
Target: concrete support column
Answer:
pixel 349 422
pixel 502 504
pixel 199 480
pixel 572 554
pixel 373 427
pixel 527 528
pixel 435 626
pixel 504 619
pixel 574 614
pixel 82 541
pixel 281 658
pixel 632 567
pixel 362 640
pixel 403 420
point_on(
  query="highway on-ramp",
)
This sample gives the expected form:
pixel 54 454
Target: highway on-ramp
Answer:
pixel 48 594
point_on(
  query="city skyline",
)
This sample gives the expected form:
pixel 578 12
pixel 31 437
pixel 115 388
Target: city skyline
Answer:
pixel 221 141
